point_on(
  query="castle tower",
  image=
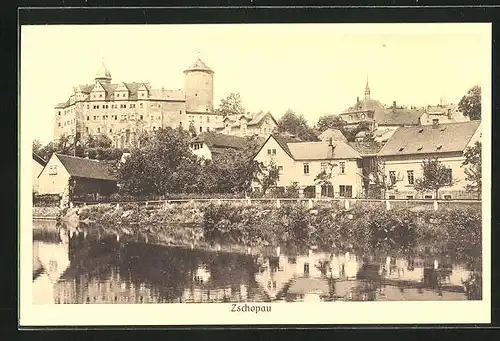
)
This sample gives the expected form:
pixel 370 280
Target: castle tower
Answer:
pixel 103 75
pixel 199 89
pixel 367 89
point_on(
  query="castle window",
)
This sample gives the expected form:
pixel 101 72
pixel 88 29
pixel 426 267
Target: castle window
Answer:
pixel 141 117
pixel 95 118
pixel 110 130
pixel 88 106
pixel 59 124
pixel 140 105
pixel 201 129
pixel 97 107
pixel 132 105
pixel 98 130
pixel 88 118
pixel 180 112
pixel 87 130
pixel 59 113
pixel 208 119
pixel 100 95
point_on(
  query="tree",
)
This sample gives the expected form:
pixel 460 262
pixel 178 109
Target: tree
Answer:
pixel 267 176
pixel 470 104
pixel 297 125
pixel 435 176
pixel 324 178
pixel 36 146
pixel 351 132
pixel 231 105
pixel 377 183
pixel 163 164
pixel 330 122
pixel 473 172
pixel 192 129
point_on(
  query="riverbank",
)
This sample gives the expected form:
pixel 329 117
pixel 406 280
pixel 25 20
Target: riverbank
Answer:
pixel 455 232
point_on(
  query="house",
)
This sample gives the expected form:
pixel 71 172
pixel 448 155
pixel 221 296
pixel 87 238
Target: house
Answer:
pixel 443 114
pixel 37 164
pixel 408 147
pixel 334 134
pixel 90 176
pixel 210 144
pixel 261 124
pixel 300 163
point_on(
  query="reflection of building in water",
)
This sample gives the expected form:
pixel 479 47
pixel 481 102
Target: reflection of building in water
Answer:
pixel 276 272
pixel 53 259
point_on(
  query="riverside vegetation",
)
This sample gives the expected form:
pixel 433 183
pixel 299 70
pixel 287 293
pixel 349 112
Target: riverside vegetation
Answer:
pixel 451 232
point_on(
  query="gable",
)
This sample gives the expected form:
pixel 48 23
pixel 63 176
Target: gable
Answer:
pixel 54 167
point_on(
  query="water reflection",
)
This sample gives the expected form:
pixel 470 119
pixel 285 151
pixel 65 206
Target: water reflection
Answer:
pixel 77 269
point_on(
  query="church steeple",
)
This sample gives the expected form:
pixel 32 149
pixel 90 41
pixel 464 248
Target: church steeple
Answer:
pixel 367 89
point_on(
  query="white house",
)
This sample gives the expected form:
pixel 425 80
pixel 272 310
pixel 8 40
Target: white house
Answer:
pixel 408 147
pixel 208 144
pixel 37 164
pixel 302 162
pixel 91 176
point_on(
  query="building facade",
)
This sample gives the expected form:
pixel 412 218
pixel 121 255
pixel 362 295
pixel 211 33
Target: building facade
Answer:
pixel 300 163
pixel 260 124
pixel 405 151
pixel 124 110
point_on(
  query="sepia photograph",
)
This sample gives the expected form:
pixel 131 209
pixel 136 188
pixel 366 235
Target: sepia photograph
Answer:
pixel 342 170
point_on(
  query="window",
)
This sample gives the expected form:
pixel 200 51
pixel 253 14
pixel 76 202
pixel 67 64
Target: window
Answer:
pixel 342 167
pixel 208 129
pixel 88 106
pixel 350 117
pixel 140 105
pixel 269 152
pixel 88 118
pixel 87 130
pixel 116 117
pixel 428 196
pixel 306 268
pixel 180 112
pixel 448 176
pixel 132 105
pixel 274 151
pixel 324 166
pixel 53 170
pixel 100 95
pixel 345 191
pixel 409 197
pixel 208 119
pixel 201 129
pixel 411 178
pixel 59 124
pixel 392 177
pixel 435 121
pixel 306 168
pixel 447 196
pixel 141 117
pixel 95 118
pixel 392 197
pixel 98 130
pixel 280 169
pixel 363 116
pixel 97 107
pixel 110 130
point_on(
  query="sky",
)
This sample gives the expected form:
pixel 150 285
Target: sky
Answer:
pixel 313 69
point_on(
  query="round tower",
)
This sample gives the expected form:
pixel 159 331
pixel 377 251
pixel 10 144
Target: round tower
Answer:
pixel 103 75
pixel 198 88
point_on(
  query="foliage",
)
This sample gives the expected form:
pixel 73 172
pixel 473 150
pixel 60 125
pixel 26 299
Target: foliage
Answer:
pixel 435 176
pixel 46 200
pixel 267 175
pixel 470 104
pixel 231 105
pixel 330 122
pixel 296 125
pixel 164 164
pixel 351 131
pixel 376 179
pixel 192 129
pixel 473 170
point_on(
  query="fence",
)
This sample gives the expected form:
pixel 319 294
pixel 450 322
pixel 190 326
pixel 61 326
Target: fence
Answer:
pixel 310 203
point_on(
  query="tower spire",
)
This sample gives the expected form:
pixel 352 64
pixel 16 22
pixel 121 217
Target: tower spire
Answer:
pixel 367 89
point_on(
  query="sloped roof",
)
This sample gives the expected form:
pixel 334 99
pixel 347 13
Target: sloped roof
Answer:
pixel 283 141
pixel 39 159
pixel 198 65
pixel 398 116
pixel 365 104
pixel 452 137
pixel 163 94
pixel 215 140
pixel 335 134
pixel 366 148
pixel 103 72
pixel 86 168
pixel 322 151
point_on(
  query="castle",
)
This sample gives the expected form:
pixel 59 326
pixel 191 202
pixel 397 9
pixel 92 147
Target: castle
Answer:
pixel 123 110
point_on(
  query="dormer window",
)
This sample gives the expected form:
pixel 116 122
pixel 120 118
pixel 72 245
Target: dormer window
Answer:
pixel 439 146
pixel 419 148
pixel 421 130
pixel 401 149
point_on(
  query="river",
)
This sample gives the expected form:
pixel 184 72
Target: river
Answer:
pixel 85 270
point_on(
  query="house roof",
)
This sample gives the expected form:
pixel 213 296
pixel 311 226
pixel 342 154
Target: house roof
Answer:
pixel 39 159
pixel 322 151
pixel 215 140
pixel 398 116
pixel 366 148
pixel 335 134
pixel 365 104
pixel 86 168
pixel 252 119
pixel 451 137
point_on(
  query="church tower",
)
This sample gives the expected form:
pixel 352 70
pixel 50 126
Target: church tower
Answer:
pixel 199 87
pixel 367 89
pixel 103 75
